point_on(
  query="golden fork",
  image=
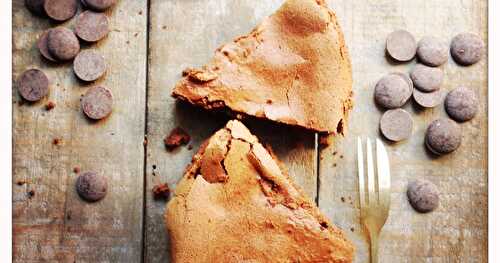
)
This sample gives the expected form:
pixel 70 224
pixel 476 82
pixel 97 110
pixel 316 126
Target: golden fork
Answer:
pixel 374 203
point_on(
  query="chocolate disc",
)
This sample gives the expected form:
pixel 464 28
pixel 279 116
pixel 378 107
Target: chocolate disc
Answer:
pixel 35 6
pixel 401 45
pixel 467 49
pixel 392 91
pixel 89 65
pixel 61 10
pixel 432 52
pixel 97 103
pixel 428 99
pixel 99 5
pixel 62 43
pixel 43 46
pixel 426 78
pixel 91 187
pixel 396 125
pixel 461 104
pixel 423 196
pixel 91 26
pixel 443 136
pixel 33 85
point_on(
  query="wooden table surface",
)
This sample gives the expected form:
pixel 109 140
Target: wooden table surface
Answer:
pixel 149 45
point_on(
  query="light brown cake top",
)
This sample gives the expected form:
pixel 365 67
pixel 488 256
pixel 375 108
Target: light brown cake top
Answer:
pixel 293 68
pixel 237 204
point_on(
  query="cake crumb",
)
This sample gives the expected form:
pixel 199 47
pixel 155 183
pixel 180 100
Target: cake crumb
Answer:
pixel 342 199
pixel 352 229
pixel 161 191
pixel 31 194
pixel 50 105
pixel 21 182
pixel 56 141
pixel 176 138
pixel 76 169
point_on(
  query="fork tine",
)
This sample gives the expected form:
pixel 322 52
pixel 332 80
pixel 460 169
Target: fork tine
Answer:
pixel 372 195
pixel 384 174
pixel 361 175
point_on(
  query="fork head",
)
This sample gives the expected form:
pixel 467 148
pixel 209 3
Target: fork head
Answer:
pixel 375 188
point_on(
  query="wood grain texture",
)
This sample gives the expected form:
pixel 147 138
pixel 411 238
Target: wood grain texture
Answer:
pixel 55 225
pixel 457 230
pixel 185 34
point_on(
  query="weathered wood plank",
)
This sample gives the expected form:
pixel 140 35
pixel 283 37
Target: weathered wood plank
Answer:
pixel 185 34
pixel 457 231
pixel 55 225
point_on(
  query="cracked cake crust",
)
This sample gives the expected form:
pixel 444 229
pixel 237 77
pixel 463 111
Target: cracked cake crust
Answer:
pixel 293 68
pixel 237 203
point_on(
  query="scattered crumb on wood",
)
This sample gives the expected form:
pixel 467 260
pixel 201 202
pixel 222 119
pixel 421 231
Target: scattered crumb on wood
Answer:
pixel 140 12
pixel 352 229
pixel 76 169
pixel 324 140
pixel 341 156
pixel 334 165
pixel 136 34
pixel 176 138
pixel 342 199
pixel 50 105
pixel 56 141
pixel 21 182
pixel 164 27
pixel 335 153
pixel 31 194
pixel 161 191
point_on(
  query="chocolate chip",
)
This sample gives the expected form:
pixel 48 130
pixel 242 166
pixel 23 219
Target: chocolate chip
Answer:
pixel 97 103
pixel 443 136
pixel 428 99
pixel 43 46
pixel 461 104
pixel 426 78
pixel 99 5
pixel 35 6
pixel 401 45
pixel 62 43
pixel 432 52
pixel 467 49
pixel 392 91
pixel 396 125
pixel 423 196
pixel 91 26
pixel 33 85
pixel 89 65
pixel 91 187
pixel 61 10
pixel 406 78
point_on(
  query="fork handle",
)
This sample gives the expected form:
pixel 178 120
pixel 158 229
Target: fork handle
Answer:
pixel 374 247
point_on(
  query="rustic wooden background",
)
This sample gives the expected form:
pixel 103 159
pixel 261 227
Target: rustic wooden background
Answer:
pixel 150 43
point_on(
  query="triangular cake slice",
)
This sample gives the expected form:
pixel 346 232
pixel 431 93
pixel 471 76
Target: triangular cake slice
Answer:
pixel 293 68
pixel 236 203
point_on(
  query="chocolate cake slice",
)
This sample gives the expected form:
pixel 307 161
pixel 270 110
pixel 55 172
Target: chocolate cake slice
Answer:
pixel 236 203
pixel 293 68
